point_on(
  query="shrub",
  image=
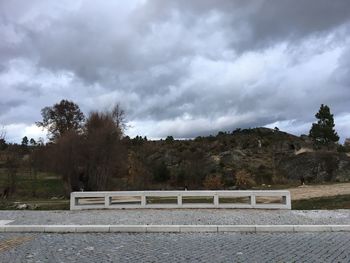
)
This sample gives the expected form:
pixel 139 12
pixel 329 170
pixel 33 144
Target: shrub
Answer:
pixel 161 173
pixel 244 179
pixel 263 175
pixel 213 182
pixel 169 139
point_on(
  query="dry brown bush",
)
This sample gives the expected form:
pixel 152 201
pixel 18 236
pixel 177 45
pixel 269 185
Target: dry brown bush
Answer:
pixel 244 180
pixel 213 182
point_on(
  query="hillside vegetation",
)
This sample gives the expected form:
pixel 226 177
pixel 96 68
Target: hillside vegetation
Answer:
pixel 241 159
pixel 257 158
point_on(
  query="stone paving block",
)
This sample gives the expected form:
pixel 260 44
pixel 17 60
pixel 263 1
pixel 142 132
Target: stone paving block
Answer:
pixel 91 228
pixel 198 228
pixel 179 247
pixel 128 228
pixel 274 228
pixel 163 228
pixel 236 228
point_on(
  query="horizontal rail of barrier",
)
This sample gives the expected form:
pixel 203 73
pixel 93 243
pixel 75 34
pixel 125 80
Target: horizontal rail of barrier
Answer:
pixel 180 199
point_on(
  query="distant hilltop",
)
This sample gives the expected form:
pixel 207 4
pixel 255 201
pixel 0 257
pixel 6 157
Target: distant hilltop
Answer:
pixel 268 156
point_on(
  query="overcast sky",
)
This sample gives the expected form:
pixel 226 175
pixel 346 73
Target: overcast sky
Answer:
pixel 181 67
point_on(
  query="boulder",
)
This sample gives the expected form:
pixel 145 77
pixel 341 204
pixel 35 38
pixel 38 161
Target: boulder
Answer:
pixel 316 166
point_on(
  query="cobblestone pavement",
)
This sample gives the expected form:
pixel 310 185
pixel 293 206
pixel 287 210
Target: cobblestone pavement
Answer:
pixel 180 216
pixel 199 247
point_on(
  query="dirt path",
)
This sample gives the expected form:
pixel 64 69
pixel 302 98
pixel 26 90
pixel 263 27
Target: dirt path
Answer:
pixel 311 191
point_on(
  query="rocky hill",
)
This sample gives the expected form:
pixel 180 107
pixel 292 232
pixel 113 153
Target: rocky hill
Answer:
pixel 267 156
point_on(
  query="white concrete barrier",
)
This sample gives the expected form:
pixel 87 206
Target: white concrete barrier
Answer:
pixel 181 199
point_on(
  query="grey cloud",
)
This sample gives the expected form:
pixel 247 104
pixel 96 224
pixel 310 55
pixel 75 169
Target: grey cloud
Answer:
pixel 172 60
pixel 92 48
pixel 342 73
pixel 258 23
pixel 6 106
pixel 2 68
pixel 29 89
pixel 291 20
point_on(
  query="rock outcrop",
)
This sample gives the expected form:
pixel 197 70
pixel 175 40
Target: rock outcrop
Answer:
pixel 270 156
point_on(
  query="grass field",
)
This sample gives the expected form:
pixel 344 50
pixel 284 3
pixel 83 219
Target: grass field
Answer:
pixel 46 192
pixel 36 204
pixel 37 191
pixel 330 202
pixel 44 185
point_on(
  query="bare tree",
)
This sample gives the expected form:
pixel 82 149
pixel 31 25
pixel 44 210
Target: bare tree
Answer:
pixel 105 155
pixel 12 164
pixel 118 115
pixel 2 138
pixel 2 133
pixel 67 159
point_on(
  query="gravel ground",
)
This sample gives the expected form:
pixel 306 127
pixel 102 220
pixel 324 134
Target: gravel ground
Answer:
pixel 180 216
pixel 312 191
pixel 194 247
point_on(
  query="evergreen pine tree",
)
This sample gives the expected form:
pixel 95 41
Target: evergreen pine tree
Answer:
pixel 323 131
pixel 25 141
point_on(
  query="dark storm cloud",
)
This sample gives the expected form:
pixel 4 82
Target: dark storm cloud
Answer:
pixel 260 23
pixel 8 105
pixel 29 89
pixel 179 67
pixel 2 68
pixel 342 74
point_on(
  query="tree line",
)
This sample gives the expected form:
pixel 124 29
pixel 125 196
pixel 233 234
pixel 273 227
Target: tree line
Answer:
pixel 92 152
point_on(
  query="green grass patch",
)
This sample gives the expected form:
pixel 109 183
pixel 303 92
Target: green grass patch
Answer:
pixel 45 185
pixel 35 204
pixel 319 203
